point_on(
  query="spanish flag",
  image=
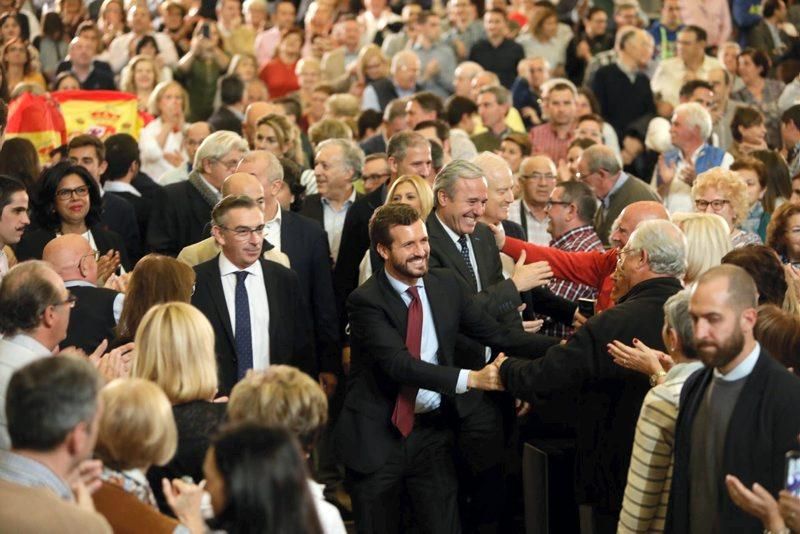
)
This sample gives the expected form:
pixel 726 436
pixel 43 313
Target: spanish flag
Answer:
pixel 37 119
pixel 99 113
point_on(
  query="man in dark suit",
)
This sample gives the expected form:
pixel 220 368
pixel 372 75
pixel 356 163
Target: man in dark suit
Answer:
pixel 466 246
pixel 90 72
pixel 408 153
pixel 305 243
pixel 181 211
pixel 118 214
pixel 337 164
pixel 97 309
pixel 230 114
pixel 393 433
pixel 122 157
pixel 255 306
pixel 738 415
pixel 609 397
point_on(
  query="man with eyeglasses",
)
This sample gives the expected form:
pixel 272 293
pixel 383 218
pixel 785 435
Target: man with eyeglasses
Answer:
pixel 181 211
pixel 255 306
pixel 404 82
pixel 97 309
pixel 692 155
pixel 376 171
pixel 537 178
pixel 34 314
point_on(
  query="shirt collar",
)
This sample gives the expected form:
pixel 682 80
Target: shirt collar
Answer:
pixel 454 236
pixel 348 202
pixel 117 186
pixel 568 235
pixel 30 473
pixel 26 341
pixel 401 287
pixel 278 216
pixel 226 267
pixel 78 283
pixel 743 369
pixel 623 177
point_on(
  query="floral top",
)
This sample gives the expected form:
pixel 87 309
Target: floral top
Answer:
pixel 132 481
pixel 740 239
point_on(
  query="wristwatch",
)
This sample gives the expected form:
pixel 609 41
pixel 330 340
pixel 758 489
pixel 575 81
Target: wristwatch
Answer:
pixel 654 377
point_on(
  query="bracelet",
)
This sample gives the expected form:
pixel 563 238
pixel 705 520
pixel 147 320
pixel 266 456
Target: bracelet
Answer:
pixel 654 377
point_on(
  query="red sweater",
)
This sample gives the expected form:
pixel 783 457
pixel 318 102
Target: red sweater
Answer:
pixel 279 77
pixel 591 268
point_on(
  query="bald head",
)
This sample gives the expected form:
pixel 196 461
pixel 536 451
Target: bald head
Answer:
pixel 494 168
pixel 632 216
pixel 741 288
pixel 66 255
pixel 243 183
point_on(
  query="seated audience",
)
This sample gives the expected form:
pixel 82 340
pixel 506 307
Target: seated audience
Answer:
pixel 136 430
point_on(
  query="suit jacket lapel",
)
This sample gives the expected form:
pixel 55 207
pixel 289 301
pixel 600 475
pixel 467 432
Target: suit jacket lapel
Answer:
pixel 442 242
pixel 480 259
pixel 439 303
pixel 218 297
pixel 394 303
pixel 272 304
pixel 523 218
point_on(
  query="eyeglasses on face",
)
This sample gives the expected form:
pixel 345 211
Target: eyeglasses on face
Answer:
pixel 376 177
pixel 70 301
pixel 551 203
pixel 66 194
pixel 717 204
pixel 625 252
pixel 538 176
pixel 229 165
pixel 243 232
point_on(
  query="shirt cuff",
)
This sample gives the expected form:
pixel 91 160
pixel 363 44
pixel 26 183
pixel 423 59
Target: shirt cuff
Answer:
pixel 461 385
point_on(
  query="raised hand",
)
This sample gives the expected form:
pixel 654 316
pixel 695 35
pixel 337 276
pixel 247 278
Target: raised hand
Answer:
pixel 639 358
pixel 532 275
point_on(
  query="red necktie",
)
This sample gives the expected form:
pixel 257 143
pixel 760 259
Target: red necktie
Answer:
pixel 403 415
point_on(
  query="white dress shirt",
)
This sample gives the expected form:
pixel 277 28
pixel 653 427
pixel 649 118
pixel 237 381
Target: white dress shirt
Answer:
pixel 272 230
pixel 334 222
pixel 535 229
pixel 426 400
pixel 259 307
pixel 118 186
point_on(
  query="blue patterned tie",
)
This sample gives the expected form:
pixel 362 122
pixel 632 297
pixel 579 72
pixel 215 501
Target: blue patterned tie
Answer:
pixel 462 241
pixel 243 337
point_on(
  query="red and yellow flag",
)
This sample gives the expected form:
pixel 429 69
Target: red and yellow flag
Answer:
pixel 99 113
pixel 38 119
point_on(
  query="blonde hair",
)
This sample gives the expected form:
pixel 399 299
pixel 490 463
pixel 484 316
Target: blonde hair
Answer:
pixel 424 192
pixel 342 106
pixel 730 185
pixel 128 82
pixel 329 129
pixel 137 428
pixel 158 92
pixel 281 396
pixel 367 53
pixel 175 349
pixel 708 239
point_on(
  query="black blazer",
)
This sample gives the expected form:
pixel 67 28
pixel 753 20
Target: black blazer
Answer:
pixel 764 426
pixel 312 207
pixel 381 363
pixel 374 144
pixel 225 119
pixel 92 318
pixel 141 209
pixel 609 397
pixel 355 242
pixel 306 245
pixel 119 215
pixel 180 217
pixel 289 334
pixel 32 244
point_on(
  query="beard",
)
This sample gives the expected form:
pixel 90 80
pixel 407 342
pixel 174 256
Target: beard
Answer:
pixel 714 355
pixel 406 268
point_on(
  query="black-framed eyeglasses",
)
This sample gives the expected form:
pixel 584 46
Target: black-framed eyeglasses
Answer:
pixel 376 177
pixel 243 232
pixel 93 254
pixel 70 301
pixel 717 204
pixel 65 194
pixel 551 203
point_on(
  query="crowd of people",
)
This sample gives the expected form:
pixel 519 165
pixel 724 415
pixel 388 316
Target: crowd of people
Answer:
pixel 360 256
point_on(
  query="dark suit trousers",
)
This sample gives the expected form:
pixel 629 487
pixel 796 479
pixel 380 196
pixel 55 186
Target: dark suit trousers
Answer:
pixel 422 465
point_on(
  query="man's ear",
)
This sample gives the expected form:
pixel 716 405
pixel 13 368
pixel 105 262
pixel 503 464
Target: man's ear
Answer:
pixel 102 167
pixel 383 251
pixel 216 232
pixel 392 164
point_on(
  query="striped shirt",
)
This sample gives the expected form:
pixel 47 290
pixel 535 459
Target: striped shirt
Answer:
pixel 644 506
pixel 545 141
pixel 21 470
pixel 581 239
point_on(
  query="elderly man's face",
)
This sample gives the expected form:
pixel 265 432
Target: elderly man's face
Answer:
pixel 500 194
pixel 406 73
pixel 468 203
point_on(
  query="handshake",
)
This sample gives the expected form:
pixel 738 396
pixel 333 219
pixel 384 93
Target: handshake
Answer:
pixel 488 378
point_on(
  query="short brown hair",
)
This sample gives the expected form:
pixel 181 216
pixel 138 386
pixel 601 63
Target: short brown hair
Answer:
pixel 385 218
pixel 779 332
pixel 779 225
pixel 281 396
pixel 137 428
pixel 82 140
pixel 231 202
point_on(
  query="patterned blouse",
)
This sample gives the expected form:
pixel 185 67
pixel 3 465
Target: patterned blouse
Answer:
pixel 768 106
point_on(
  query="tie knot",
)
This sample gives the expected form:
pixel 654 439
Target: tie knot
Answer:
pixel 240 276
pixel 413 292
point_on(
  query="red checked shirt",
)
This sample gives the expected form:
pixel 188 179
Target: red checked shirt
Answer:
pixel 545 141
pixel 581 239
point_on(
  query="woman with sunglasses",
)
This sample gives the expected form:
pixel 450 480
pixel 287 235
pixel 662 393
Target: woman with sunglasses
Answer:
pixel 68 202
